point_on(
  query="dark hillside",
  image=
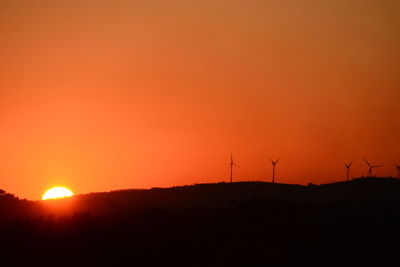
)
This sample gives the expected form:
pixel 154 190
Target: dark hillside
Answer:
pixel 201 195
pixel 354 223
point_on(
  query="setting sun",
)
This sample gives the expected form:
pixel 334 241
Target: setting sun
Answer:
pixel 57 192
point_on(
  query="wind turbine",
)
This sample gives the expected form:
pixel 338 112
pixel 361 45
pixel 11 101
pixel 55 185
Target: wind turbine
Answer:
pixel 371 167
pixel 348 166
pixel 273 169
pixel 398 171
pixel 231 165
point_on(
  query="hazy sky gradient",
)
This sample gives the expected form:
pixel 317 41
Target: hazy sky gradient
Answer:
pixel 102 95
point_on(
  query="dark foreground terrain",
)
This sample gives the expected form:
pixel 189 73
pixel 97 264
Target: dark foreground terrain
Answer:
pixel 355 223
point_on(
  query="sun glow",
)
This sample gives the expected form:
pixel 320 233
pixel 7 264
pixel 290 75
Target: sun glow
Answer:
pixel 57 192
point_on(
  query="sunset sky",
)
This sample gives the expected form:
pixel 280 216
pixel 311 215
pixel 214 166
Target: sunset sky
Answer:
pixel 111 94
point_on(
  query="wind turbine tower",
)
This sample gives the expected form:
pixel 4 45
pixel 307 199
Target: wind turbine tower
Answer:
pixel 348 166
pixel 273 169
pixel 371 168
pixel 231 165
pixel 398 171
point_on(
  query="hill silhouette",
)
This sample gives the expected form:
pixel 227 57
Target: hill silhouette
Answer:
pixel 352 223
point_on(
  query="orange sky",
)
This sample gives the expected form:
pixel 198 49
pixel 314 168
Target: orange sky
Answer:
pixel 109 94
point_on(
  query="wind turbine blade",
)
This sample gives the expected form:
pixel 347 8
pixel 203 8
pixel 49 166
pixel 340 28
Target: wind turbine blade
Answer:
pixel 376 166
pixel 366 161
pixel 236 165
pixel 348 165
pixel 275 161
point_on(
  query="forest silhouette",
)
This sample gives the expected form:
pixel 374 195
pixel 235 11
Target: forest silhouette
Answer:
pixel 353 223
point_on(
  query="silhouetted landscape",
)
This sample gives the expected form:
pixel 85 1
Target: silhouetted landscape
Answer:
pixel 124 117
pixel 353 223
